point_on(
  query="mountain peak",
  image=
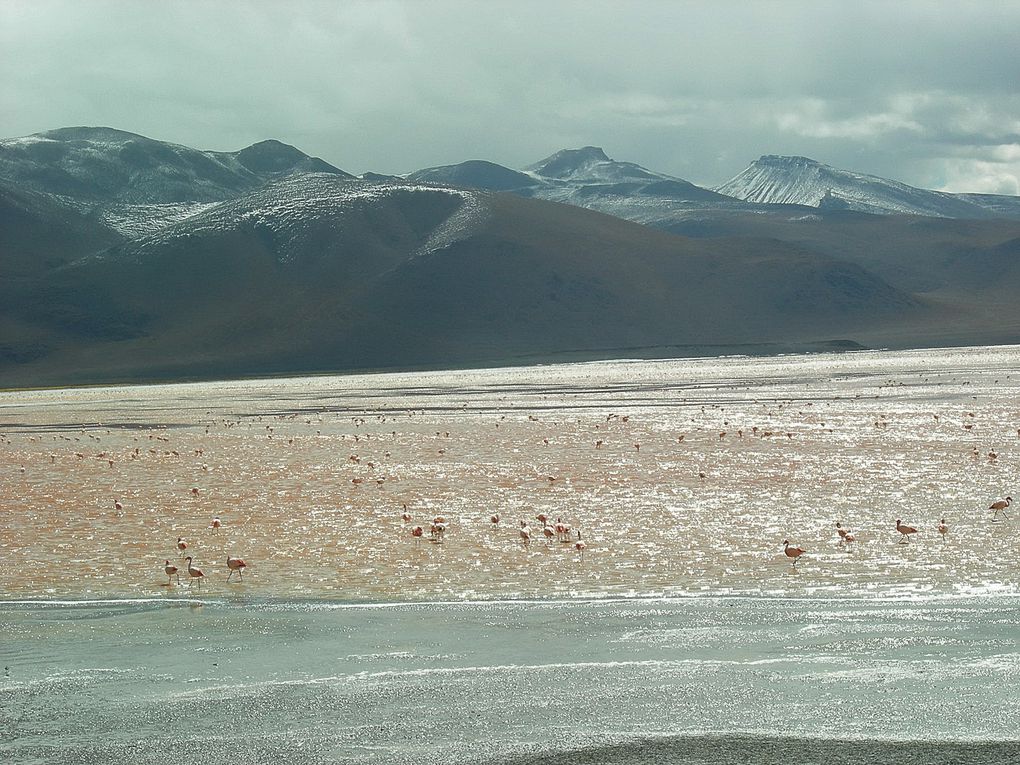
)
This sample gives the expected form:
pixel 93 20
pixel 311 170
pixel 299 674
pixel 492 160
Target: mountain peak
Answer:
pixel 780 160
pixel 105 165
pixel 270 156
pixel 775 179
pixel 569 163
pixel 589 153
pixel 477 174
pixel 89 133
pixel 591 165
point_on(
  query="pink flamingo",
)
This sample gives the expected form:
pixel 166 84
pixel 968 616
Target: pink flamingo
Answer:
pixel 195 573
pixel 171 572
pixel 905 531
pixel 792 552
pixel 235 564
pixel 1000 507
pixel 579 545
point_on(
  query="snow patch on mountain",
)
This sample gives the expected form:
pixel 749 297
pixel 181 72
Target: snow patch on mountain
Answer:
pixel 590 165
pixel 773 179
pixel 285 211
pixel 465 220
pixel 105 166
pixel 136 221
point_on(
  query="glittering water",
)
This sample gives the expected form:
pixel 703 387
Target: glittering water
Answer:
pixel 684 634
pixel 309 477
pixel 627 681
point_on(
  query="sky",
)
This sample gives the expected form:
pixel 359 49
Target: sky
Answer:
pixel 922 91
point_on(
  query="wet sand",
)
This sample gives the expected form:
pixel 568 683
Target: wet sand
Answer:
pixel 705 467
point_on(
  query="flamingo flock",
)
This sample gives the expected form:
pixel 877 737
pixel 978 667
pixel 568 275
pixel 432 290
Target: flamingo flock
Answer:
pixel 195 574
pixel 847 538
pixel 558 530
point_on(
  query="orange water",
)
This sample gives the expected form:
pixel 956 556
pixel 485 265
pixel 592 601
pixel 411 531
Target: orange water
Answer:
pixel 862 438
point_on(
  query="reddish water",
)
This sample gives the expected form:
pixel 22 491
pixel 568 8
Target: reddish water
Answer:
pixel 705 467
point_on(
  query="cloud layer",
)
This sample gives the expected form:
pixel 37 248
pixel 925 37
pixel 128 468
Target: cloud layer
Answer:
pixel 924 92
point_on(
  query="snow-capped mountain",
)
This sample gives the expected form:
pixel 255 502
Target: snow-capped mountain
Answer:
pixel 103 164
pixel 316 272
pixel 128 258
pixel 588 178
pixel 137 184
pixel 298 216
pixel 773 179
pixel 590 165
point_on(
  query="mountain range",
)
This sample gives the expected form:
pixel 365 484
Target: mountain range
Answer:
pixel 126 258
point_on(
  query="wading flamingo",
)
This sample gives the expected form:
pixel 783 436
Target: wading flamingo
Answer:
pixel 792 552
pixel 194 573
pixel 906 531
pixel 235 564
pixel 579 545
pixel 171 572
pixel 1000 507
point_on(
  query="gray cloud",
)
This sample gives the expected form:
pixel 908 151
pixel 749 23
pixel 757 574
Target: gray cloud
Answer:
pixel 920 91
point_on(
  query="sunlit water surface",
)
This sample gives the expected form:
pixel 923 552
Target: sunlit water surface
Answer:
pixel 683 634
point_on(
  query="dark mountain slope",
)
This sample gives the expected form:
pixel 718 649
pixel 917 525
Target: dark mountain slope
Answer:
pixel 580 281
pixel 475 174
pixel 37 233
pixel 269 267
pixel 916 254
pixel 317 273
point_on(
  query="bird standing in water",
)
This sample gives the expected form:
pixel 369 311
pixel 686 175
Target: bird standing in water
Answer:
pixel 579 545
pixel 792 552
pixel 171 572
pixel 194 573
pixel 1000 507
pixel 906 531
pixel 235 564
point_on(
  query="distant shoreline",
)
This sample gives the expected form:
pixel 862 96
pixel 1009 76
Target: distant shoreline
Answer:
pixel 640 352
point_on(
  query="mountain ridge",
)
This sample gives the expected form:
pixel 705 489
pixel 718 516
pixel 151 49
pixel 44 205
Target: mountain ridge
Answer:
pixel 588 177
pixel 101 165
pixel 296 270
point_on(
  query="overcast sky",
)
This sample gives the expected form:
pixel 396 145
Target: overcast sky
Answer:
pixel 926 92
